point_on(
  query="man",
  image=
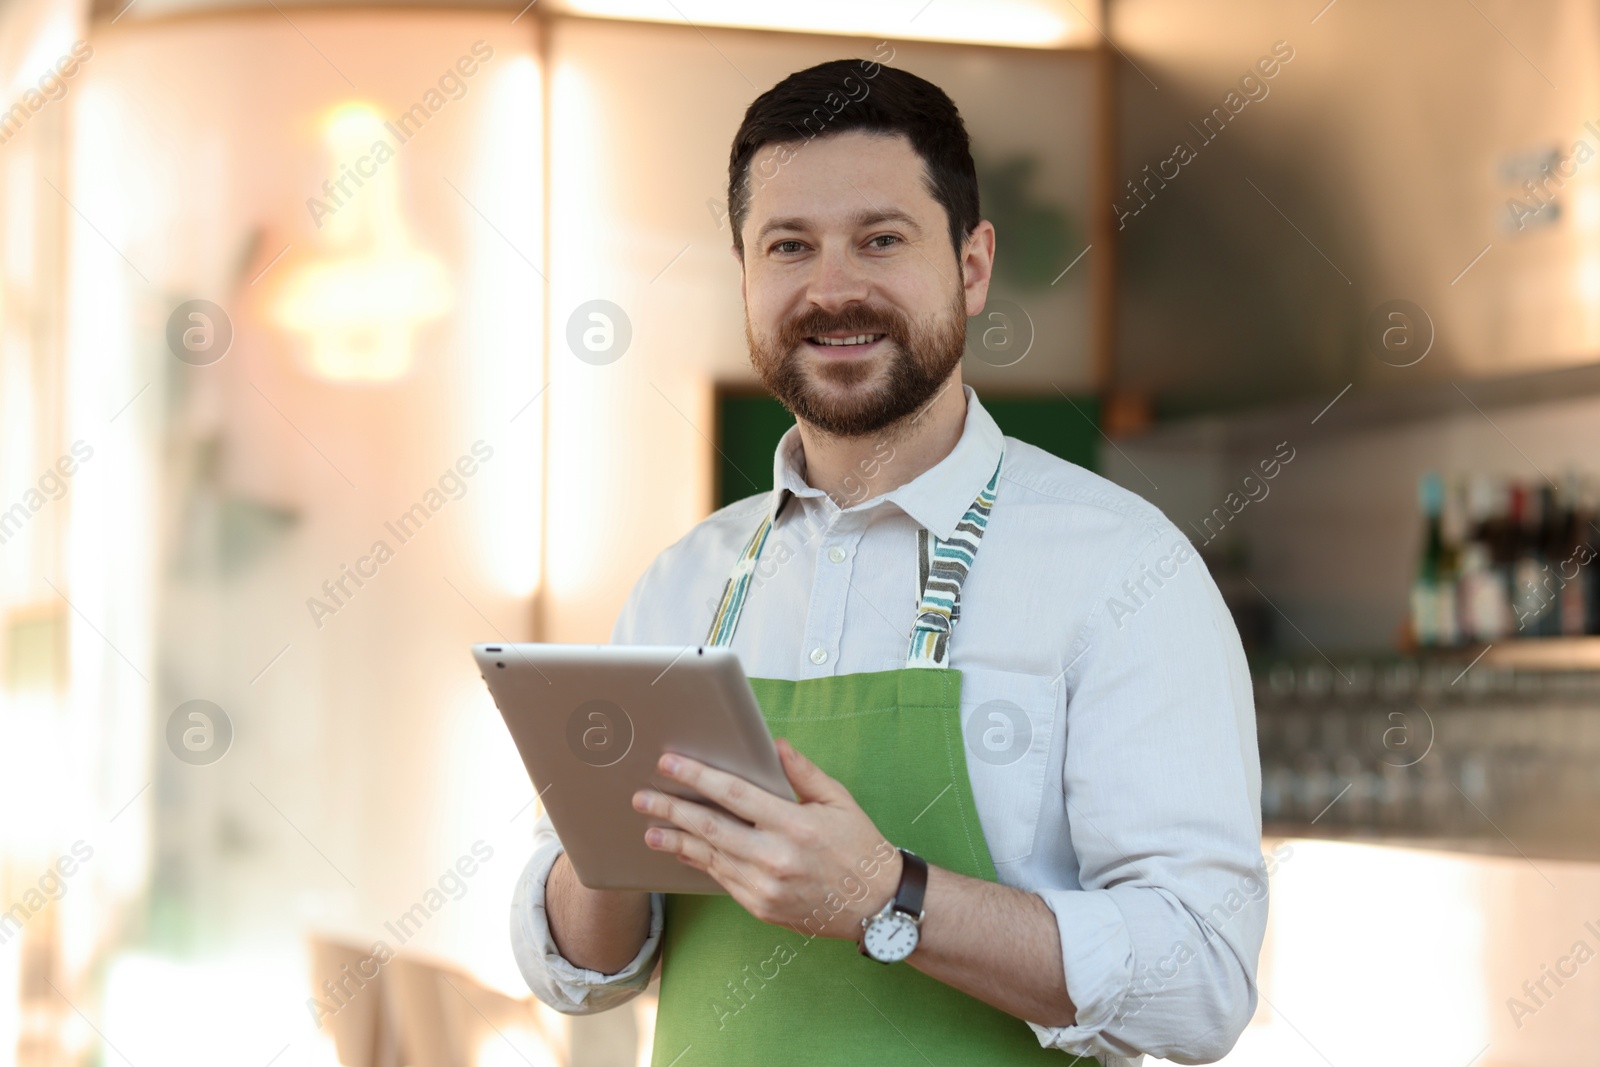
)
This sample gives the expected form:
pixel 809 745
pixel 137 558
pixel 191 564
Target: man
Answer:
pixel 1027 777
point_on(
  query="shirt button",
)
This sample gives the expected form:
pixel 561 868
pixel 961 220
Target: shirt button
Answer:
pixel 836 554
pixel 819 656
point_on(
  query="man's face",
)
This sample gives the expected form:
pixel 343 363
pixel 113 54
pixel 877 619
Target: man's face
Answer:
pixel 855 304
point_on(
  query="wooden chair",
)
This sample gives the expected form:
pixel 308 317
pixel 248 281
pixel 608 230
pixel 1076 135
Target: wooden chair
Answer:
pixel 417 1012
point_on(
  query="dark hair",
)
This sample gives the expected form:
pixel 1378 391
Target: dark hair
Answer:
pixel 849 94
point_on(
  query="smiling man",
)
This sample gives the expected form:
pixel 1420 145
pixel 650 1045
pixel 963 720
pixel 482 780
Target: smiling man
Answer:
pixel 1028 827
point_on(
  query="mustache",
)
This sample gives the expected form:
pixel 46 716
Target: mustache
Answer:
pixel 920 359
pixel 855 318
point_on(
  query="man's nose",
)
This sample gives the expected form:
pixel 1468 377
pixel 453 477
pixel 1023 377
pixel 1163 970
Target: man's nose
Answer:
pixel 837 280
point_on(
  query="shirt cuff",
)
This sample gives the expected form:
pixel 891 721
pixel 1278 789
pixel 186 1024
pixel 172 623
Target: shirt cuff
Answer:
pixel 1097 960
pixel 553 978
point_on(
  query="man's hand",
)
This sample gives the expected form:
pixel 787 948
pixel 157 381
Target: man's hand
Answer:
pixel 794 864
pixel 787 862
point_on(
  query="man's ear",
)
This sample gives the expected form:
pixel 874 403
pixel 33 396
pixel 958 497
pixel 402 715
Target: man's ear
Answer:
pixel 977 265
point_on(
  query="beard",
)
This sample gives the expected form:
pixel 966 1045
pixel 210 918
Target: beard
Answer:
pixel 855 398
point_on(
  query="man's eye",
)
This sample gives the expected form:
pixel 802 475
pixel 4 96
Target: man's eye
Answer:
pixel 879 241
pixel 786 247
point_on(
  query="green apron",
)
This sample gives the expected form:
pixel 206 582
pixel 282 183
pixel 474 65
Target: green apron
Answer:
pixel 737 991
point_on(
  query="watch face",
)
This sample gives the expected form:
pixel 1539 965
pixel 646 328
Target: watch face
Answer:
pixel 890 938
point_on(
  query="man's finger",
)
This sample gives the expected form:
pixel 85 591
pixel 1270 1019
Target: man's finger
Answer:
pixel 692 851
pixel 739 795
pixel 697 819
pixel 699 853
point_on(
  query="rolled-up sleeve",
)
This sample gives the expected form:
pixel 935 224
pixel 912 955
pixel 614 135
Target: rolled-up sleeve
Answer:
pixel 553 978
pixel 1161 784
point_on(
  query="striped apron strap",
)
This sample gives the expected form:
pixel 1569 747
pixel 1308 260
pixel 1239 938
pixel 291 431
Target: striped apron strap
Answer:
pixel 737 587
pixel 942 567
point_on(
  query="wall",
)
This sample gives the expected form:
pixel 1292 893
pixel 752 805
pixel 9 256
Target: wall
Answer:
pixel 1380 163
pixel 1335 542
pixel 239 485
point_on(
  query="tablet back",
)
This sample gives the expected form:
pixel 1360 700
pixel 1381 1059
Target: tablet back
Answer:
pixel 590 721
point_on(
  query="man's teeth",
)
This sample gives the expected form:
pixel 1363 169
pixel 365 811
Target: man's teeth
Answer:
pixel 858 339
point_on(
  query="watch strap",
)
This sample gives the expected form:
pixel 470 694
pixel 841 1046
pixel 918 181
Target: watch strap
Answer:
pixel 913 884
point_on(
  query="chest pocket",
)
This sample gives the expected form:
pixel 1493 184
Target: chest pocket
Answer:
pixel 1008 723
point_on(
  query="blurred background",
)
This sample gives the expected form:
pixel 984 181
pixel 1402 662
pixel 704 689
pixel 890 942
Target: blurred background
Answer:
pixel 334 338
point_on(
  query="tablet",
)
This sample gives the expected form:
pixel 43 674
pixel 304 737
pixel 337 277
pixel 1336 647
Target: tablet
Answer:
pixel 590 722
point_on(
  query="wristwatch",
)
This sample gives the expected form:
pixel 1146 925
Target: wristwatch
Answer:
pixel 891 935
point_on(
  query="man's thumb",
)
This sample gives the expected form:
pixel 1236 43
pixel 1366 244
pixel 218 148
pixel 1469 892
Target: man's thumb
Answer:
pixel 810 781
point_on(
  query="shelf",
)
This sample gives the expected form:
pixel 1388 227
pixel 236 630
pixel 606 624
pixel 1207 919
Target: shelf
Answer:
pixel 1562 850
pixel 1522 653
pixel 1546 654
pixel 1369 408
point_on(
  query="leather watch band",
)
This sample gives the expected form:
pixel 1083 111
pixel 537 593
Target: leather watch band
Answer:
pixel 913 884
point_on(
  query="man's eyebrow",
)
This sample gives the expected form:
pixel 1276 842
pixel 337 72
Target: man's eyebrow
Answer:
pixel 863 218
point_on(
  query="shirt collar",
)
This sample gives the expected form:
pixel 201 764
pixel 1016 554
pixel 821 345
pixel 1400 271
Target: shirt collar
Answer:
pixel 937 498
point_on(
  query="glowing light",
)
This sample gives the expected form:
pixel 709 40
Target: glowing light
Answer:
pixel 583 427
pixel 110 548
pixel 358 313
pixel 359 306
pixel 1030 23
pixel 503 320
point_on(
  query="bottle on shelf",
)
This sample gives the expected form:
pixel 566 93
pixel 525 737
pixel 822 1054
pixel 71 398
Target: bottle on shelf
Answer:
pixel 1502 534
pixel 1527 561
pixel 1587 521
pixel 1573 558
pixel 1482 595
pixel 1427 598
pixel 1552 551
pixel 1506 559
pixel 1453 537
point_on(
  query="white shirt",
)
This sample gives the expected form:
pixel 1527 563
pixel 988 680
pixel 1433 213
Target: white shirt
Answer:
pixel 1126 792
